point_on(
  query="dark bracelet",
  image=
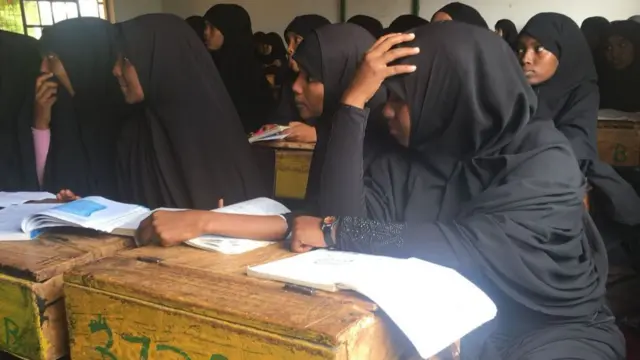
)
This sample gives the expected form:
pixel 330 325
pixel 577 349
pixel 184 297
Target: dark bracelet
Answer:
pixel 289 217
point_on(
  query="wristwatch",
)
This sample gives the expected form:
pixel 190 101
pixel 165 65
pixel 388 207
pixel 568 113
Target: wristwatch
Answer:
pixel 328 224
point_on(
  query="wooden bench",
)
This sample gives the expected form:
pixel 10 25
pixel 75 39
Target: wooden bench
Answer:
pixel 32 317
pixel 285 166
pixel 184 303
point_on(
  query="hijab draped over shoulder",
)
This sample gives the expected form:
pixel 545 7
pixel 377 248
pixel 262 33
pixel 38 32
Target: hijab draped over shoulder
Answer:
pixel 186 148
pixel 331 54
pixel 240 69
pixel 570 98
pixel 85 126
pixel 464 13
pixel 620 88
pixel 19 66
pixel 487 191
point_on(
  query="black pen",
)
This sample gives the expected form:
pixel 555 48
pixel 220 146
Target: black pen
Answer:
pixel 304 290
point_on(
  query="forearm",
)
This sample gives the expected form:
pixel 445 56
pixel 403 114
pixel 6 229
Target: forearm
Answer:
pixel 267 228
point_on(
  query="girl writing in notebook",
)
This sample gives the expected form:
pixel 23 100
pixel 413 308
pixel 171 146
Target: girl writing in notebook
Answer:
pixel 481 189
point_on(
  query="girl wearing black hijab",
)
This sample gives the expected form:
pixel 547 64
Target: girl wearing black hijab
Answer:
pixel 460 12
pixel 19 63
pixel 78 118
pixel 508 31
pixel 372 25
pixel 229 37
pixel 555 58
pixel 593 29
pixel 302 130
pixel 276 53
pixel 404 23
pixel 197 24
pixel 620 72
pixel 330 56
pixel 483 189
pixel 185 149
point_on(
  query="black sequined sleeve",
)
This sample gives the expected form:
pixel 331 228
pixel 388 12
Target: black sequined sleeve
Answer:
pixel 401 240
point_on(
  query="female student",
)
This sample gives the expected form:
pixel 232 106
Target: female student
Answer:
pixel 19 63
pixel 620 72
pixel 286 112
pixel 507 30
pixel 499 197
pixel 229 37
pixel 186 147
pixel 460 12
pixel 79 110
pixel 556 60
pixel 328 58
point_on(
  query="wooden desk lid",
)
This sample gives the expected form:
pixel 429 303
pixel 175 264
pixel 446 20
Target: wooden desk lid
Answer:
pixel 286 145
pixel 214 285
pixel 52 254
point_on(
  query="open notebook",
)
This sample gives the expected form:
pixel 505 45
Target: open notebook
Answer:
pixel 274 133
pixel 24 222
pixel 433 305
pixel 19 198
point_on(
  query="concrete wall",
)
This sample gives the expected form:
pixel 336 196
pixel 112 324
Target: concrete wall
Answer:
pixel 128 9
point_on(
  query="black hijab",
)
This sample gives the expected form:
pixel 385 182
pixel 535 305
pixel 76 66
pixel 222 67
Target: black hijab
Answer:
pixel 404 23
pixel 186 148
pixel 197 24
pixel 500 193
pixel 303 25
pixel 620 88
pixel 331 54
pixel 593 29
pixel 372 25
pixel 570 98
pixel 240 69
pixel 509 31
pixel 464 13
pixel 278 51
pixel 84 128
pixel 19 66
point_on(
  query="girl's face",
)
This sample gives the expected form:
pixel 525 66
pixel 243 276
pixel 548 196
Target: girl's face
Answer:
pixel 538 63
pixel 213 38
pixel 396 111
pixel 620 52
pixel 128 79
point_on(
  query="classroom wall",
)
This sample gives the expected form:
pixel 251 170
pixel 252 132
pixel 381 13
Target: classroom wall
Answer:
pixel 274 15
pixel 128 9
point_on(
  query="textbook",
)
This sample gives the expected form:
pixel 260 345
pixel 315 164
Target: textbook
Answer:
pixel 19 198
pixel 433 305
pixel 274 133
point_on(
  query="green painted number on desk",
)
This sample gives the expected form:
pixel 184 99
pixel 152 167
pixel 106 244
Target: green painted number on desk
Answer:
pixel 144 342
pixel 100 325
pixel 620 153
pixel 184 355
pixel 11 332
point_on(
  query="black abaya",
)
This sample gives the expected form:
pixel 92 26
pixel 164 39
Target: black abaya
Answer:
pixel 187 148
pixel 85 126
pixel 571 99
pixel 404 23
pixel 19 65
pixel 372 25
pixel 331 54
pixel 197 24
pixel 486 191
pixel 240 69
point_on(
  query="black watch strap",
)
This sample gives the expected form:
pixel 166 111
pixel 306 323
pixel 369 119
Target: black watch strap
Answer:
pixel 328 225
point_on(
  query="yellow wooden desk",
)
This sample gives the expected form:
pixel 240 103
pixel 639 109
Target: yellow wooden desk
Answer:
pixel 32 318
pixel 285 166
pixel 184 303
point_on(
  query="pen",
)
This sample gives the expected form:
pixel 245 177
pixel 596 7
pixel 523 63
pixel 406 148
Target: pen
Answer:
pixel 304 290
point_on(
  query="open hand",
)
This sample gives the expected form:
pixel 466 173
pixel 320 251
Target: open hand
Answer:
pixel 301 132
pixel 171 228
pixel 375 68
pixel 307 234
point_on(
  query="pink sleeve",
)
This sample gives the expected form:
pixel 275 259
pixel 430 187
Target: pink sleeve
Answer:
pixel 41 140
